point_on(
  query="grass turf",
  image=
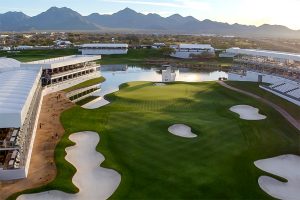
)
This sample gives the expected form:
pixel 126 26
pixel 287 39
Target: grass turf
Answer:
pixel 155 164
pixel 33 55
pixel 85 84
pixel 291 108
pixel 86 100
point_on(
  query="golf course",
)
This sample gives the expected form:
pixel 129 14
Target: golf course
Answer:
pixel 155 164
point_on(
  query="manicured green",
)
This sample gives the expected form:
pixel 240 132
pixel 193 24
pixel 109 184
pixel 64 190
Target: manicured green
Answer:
pixel 32 55
pixel 86 84
pixel 292 109
pixel 155 164
pixel 86 100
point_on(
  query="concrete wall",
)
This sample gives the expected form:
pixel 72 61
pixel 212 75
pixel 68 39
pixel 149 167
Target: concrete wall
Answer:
pixel 33 136
pixel 30 96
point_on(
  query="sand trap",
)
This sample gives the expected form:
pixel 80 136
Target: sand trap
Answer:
pixel 247 112
pixel 93 181
pixel 182 131
pixel 97 103
pixel 285 166
pixel 159 84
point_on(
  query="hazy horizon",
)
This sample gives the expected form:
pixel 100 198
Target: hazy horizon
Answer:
pixel 254 12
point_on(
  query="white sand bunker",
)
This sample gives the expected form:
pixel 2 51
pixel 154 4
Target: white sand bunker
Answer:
pixel 182 131
pixel 97 103
pixel 93 181
pixel 285 166
pixel 159 84
pixel 247 112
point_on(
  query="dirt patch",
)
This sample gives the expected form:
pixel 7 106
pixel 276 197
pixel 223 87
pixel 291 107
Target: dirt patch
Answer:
pixel 42 168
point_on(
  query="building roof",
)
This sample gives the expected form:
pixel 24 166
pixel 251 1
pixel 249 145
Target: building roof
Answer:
pixel 7 63
pixel 195 46
pixel 15 90
pixel 266 53
pixel 104 45
pixel 62 61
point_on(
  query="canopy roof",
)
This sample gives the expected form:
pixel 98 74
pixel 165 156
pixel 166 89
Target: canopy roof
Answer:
pixel 112 45
pixel 15 89
pixel 265 53
pixel 62 61
pixel 195 46
pixel 8 64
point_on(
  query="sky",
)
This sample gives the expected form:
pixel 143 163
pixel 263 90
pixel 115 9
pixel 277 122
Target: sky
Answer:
pixel 249 12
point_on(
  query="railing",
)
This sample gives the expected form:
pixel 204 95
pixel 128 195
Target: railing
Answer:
pixel 94 73
pixel 80 69
pixel 283 93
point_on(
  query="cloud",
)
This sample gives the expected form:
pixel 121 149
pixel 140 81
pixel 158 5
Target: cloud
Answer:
pixel 191 4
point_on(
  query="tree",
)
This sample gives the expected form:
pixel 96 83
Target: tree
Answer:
pixel 204 55
pixel 166 51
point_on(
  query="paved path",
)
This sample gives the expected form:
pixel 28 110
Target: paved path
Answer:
pixel 284 113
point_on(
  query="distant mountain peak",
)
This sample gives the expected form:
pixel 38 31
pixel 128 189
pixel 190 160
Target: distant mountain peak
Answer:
pixel 64 18
pixel 126 11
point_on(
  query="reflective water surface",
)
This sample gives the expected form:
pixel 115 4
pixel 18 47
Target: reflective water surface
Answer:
pixel 118 74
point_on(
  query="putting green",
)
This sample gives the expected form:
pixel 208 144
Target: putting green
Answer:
pixel 156 165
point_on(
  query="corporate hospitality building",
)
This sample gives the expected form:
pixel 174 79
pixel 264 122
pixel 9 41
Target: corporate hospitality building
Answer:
pixel 280 69
pixel 103 49
pixel 186 51
pixel 22 86
pixel 20 100
pixel 63 72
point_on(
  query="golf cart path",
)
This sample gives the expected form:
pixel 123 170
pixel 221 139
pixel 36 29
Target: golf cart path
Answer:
pixel 284 113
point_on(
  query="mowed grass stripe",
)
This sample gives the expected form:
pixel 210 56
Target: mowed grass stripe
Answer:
pixel 155 164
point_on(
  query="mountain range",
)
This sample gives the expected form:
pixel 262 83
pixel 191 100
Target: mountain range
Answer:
pixel 128 20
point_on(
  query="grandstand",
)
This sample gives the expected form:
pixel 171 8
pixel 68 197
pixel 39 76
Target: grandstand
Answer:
pixel 20 100
pixel 280 69
pixel 22 87
pixel 63 72
pixel 103 49
pixel 186 51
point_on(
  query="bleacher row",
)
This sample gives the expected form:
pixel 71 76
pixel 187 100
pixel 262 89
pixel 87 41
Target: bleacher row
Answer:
pixel 290 89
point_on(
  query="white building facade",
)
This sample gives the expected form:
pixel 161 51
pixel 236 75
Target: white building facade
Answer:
pixel 280 69
pixel 64 72
pixel 22 86
pixel 168 75
pixel 103 49
pixel 20 103
pixel 186 51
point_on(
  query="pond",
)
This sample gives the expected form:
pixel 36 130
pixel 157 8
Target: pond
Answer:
pixel 115 75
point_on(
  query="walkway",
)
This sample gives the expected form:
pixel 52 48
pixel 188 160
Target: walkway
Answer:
pixel 285 114
pixel 42 168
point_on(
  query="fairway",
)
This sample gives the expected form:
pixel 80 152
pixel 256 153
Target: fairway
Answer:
pixel 154 164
